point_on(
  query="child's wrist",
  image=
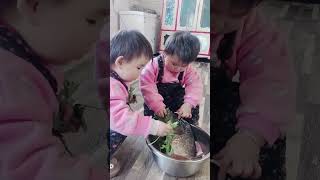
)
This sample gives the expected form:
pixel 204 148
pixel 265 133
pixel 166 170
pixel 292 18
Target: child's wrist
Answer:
pixel 189 104
pixel 154 127
pixel 160 108
pixel 257 139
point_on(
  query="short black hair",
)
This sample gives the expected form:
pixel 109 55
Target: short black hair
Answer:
pixel 183 44
pixel 129 44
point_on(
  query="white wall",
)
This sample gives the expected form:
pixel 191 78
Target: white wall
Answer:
pixel 151 4
pixel 123 5
pixel 115 7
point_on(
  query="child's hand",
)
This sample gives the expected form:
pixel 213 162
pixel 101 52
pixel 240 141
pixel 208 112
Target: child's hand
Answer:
pixel 240 157
pixel 185 111
pixel 163 129
pixel 162 113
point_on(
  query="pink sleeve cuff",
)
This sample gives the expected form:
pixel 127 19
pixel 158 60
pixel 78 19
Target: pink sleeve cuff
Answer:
pixel 143 127
pixel 191 102
pixel 157 106
pixel 261 126
pixel 154 128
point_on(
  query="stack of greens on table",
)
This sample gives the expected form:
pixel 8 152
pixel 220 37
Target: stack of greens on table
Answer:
pixel 165 143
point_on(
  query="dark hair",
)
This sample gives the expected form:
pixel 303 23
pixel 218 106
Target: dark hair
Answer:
pixel 225 48
pixel 129 44
pixel 183 44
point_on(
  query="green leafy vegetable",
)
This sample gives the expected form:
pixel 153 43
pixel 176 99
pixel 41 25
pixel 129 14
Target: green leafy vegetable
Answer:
pixel 167 118
pixel 132 98
pixel 76 121
pixel 173 122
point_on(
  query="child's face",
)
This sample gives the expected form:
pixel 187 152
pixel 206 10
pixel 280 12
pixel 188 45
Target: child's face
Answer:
pixel 130 71
pixel 174 64
pixel 61 31
pixel 228 15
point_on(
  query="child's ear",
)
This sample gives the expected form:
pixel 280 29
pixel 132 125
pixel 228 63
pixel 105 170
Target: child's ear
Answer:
pixel 28 9
pixel 119 61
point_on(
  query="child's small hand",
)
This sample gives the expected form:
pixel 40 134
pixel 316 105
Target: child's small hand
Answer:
pixel 239 158
pixel 160 128
pixel 185 111
pixel 162 113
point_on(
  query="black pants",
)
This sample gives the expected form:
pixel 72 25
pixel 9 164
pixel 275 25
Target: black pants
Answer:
pixel 115 139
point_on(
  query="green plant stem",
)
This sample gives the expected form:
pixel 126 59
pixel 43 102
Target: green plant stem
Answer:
pixel 167 143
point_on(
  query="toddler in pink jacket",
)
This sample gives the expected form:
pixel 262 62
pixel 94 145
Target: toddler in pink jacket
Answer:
pixel 129 52
pixel 170 82
pixel 36 38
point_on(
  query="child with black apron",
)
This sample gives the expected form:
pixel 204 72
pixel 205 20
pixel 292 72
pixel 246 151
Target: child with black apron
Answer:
pixel 224 104
pixel 170 82
pixel 173 94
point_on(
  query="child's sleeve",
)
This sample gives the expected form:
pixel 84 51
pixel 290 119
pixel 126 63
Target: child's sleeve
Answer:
pixel 267 81
pixel 28 148
pixel 193 87
pixel 148 86
pixel 122 118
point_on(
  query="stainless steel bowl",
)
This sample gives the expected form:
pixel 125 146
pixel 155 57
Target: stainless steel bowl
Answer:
pixel 182 168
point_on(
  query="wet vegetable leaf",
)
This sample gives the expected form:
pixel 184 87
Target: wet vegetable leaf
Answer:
pixel 76 121
pixel 132 98
pixel 173 122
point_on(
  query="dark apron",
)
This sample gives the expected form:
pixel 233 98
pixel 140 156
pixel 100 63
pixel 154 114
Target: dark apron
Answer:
pixel 115 139
pixel 224 104
pixel 173 95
